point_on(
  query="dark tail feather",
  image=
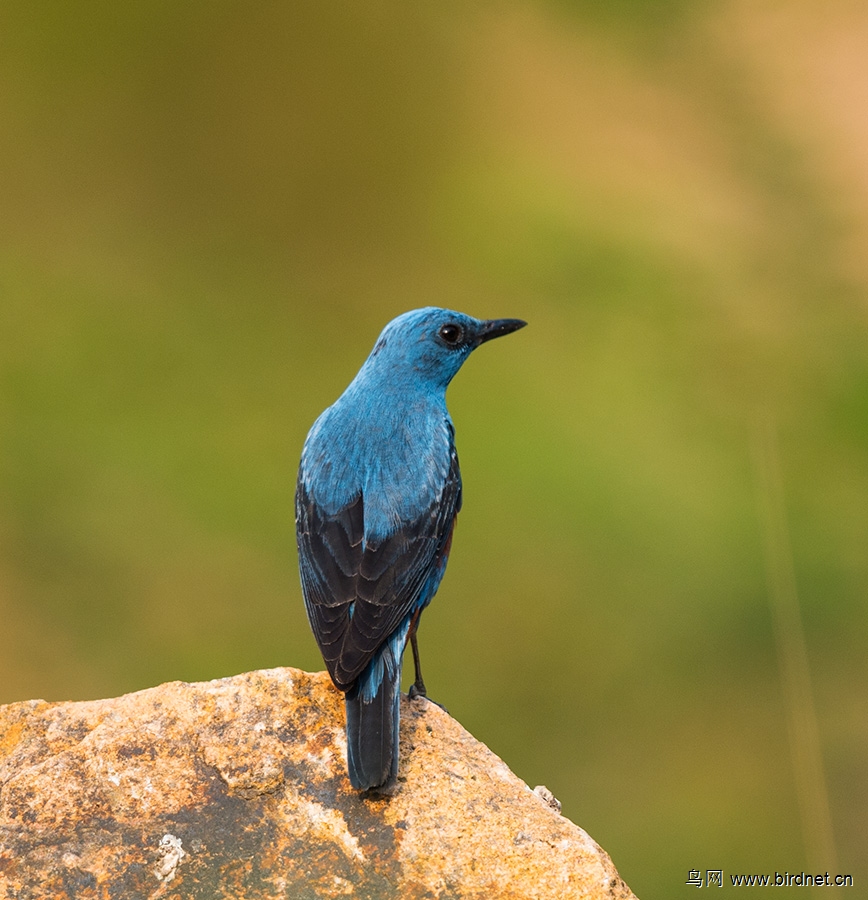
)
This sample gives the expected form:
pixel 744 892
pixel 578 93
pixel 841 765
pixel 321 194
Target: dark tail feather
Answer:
pixel 372 733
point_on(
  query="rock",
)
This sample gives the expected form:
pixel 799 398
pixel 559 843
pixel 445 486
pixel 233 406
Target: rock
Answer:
pixel 237 788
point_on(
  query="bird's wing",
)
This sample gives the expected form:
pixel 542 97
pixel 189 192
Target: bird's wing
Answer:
pixel 357 592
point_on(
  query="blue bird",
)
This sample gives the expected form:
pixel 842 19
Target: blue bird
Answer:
pixel 378 491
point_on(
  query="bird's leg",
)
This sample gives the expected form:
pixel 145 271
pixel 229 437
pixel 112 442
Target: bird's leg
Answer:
pixel 417 689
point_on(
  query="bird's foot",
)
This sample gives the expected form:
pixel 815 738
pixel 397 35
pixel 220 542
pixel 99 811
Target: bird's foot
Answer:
pixel 417 689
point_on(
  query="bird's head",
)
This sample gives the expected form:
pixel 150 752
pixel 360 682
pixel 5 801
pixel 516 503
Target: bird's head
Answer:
pixel 429 345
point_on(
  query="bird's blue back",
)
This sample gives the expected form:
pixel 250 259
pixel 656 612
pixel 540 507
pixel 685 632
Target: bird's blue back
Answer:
pixel 388 443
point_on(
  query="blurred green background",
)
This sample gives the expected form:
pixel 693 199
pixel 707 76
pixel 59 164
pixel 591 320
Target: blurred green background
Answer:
pixel 209 210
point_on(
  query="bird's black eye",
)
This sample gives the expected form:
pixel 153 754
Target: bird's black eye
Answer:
pixel 451 334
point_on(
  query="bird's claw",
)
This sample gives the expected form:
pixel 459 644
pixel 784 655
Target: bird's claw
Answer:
pixel 417 690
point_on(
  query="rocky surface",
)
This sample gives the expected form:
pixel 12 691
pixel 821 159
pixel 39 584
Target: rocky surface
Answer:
pixel 237 788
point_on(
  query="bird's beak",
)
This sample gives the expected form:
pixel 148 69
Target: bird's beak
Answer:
pixel 494 328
